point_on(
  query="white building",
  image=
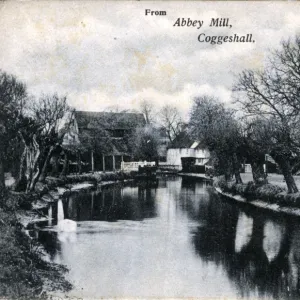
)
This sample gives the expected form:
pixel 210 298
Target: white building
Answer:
pixel 183 146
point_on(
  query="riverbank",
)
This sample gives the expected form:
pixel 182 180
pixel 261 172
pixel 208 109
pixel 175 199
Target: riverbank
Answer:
pixel 268 196
pixel 195 175
pixel 273 197
pixel 261 204
pixel 24 273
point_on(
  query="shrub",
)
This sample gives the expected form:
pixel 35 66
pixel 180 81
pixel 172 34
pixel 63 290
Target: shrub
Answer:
pixel 210 172
pixel 221 183
pixel 284 199
pixel 240 188
pixel 250 188
pixel 268 192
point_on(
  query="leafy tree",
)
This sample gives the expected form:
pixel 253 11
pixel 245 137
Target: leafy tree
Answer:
pixel 12 101
pixel 217 129
pixel 144 143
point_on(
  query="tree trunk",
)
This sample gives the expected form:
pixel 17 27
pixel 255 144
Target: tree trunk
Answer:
pixel 289 179
pixel 43 174
pixel 2 177
pixel 238 178
pixel 34 179
pixel 65 165
pixel 55 164
pixel 228 175
pixel 22 180
pixel 287 173
pixel 236 170
pixel 33 156
pixel 79 162
pixel 259 176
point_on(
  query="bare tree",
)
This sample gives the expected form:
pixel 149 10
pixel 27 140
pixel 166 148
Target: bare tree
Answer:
pixel 273 95
pixel 285 76
pixel 147 109
pixel 170 118
pixel 52 117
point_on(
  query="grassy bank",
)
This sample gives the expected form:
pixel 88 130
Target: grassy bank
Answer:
pixel 96 178
pixel 43 189
pixel 270 193
pixel 24 274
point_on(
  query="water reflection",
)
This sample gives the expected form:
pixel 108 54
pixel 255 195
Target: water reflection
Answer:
pixel 244 230
pixel 174 238
pixel 274 234
pixel 261 262
pixel 294 259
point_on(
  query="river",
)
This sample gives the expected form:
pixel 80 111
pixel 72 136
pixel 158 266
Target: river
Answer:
pixel 173 238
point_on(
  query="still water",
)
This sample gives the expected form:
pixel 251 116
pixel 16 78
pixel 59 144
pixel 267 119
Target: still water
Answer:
pixel 173 238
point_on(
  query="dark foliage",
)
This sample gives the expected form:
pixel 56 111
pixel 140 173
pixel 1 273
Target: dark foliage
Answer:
pixel 24 274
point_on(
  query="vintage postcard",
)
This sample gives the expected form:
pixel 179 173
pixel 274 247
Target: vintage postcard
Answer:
pixel 149 149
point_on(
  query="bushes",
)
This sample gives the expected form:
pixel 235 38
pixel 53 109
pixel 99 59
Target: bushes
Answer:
pixel 210 172
pixel 88 177
pixel 221 183
pixel 250 190
pixel 267 192
pixel 292 200
pixel 240 188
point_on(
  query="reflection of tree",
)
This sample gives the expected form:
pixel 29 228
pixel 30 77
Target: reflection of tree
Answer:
pixel 114 203
pixel 191 195
pixel 294 260
pixel 250 268
pixel 50 242
pixel 244 228
pixel 109 204
pixel 217 236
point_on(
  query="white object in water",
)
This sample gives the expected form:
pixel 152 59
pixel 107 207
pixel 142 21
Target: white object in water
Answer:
pixel 67 225
pixel 50 215
pixel 60 211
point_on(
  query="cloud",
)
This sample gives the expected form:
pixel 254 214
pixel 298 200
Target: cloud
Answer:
pixel 96 100
pixel 106 54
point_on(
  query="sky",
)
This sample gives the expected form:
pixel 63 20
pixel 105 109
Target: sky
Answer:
pixel 106 55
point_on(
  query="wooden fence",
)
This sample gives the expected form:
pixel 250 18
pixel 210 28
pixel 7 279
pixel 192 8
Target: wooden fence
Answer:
pixel 134 165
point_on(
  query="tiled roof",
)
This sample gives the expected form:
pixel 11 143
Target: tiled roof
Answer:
pixel 108 120
pixel 183 140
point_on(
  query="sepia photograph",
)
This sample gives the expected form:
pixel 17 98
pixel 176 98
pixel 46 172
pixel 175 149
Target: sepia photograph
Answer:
pixel 150 150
